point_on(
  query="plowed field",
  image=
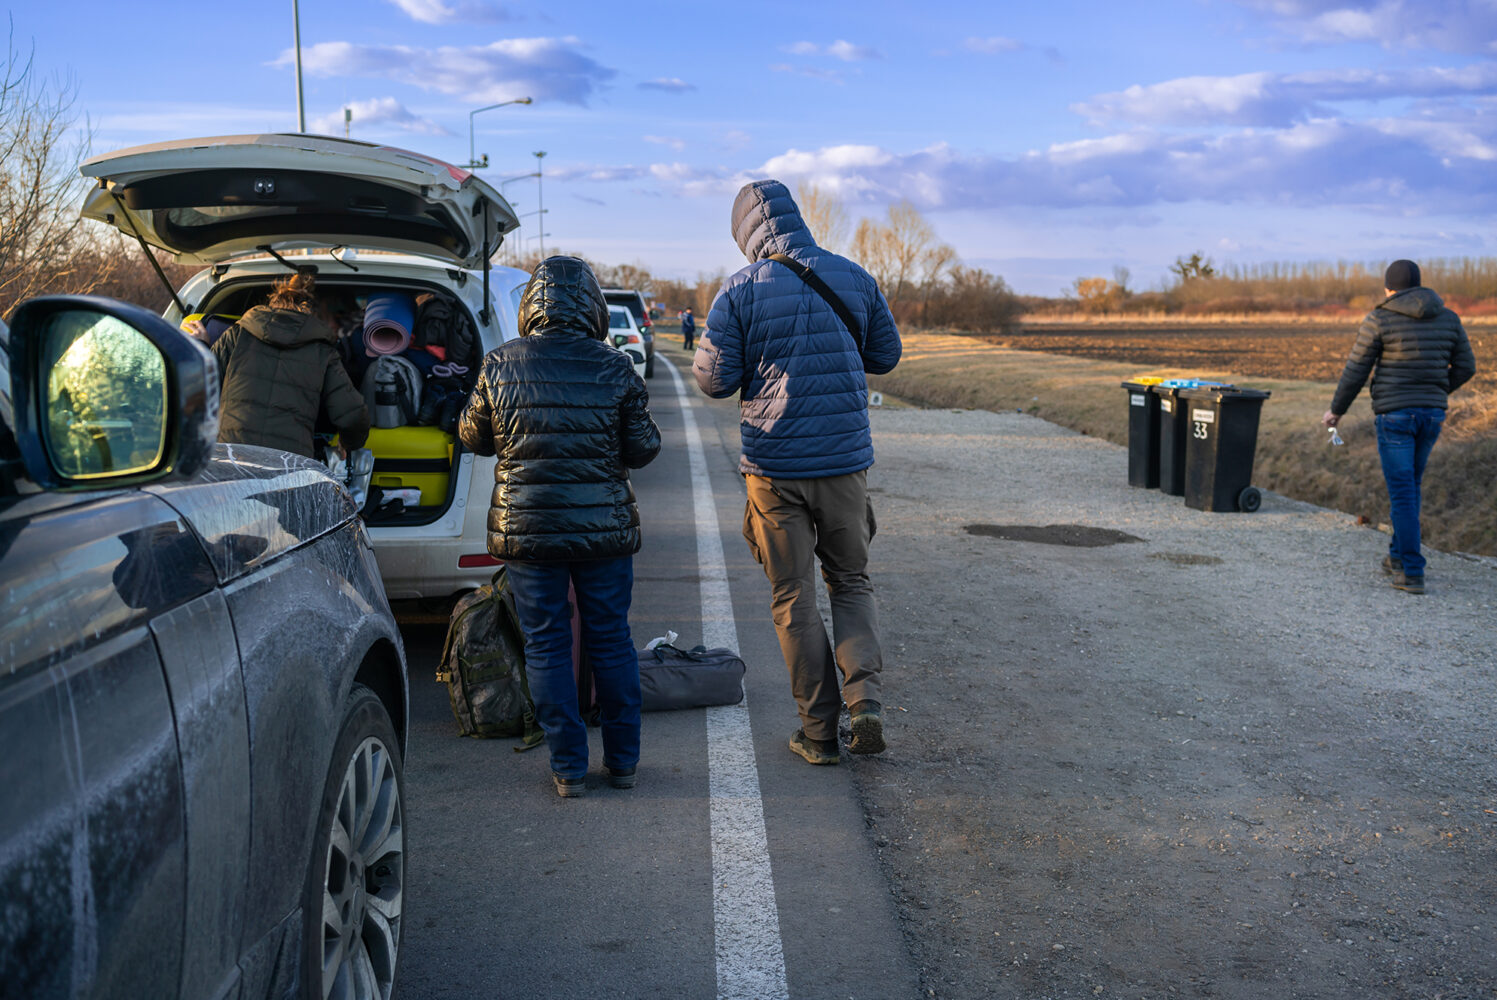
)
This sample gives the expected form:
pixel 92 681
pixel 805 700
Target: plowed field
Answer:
pixel 1312 353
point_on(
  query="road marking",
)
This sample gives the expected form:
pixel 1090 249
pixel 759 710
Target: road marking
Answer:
pixel 745 916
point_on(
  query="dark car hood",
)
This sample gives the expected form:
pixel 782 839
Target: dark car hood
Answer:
pixel 251 504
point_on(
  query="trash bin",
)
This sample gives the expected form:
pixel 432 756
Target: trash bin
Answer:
pixel 1143 432
pixel 1172 426
pixel 1219 447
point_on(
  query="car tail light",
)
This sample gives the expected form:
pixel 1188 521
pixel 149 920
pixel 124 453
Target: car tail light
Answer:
pixel 475 561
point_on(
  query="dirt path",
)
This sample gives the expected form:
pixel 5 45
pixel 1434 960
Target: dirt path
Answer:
pixel 1225 760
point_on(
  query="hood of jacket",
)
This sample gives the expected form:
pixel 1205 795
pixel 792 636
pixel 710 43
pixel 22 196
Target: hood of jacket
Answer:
pixel 766 221
pixel 285 327
pixel 1420 303
pixel 563 296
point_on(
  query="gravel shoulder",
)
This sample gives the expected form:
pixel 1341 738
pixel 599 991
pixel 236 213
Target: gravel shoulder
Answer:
pixel 1224 760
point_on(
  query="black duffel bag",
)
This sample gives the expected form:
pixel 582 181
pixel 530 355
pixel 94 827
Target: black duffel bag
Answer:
pixel 671 677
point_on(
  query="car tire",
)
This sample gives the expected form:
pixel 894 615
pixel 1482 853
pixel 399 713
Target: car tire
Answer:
pixel 355 891
pixel 650 366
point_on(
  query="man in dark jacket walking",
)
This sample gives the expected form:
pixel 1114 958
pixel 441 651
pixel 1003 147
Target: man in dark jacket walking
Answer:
pixel 1421 354
pixel 688 329
pixel 568 417
pixel 797 356
pixel 279 369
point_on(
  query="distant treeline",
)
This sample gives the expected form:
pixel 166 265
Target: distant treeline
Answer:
pixel 1198 287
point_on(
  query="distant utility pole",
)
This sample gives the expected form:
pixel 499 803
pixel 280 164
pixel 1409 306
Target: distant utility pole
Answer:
pixel 347 121
pixel 540 201
pixel 301 111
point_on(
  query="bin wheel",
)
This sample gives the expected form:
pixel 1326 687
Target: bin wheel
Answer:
pixel 1249 499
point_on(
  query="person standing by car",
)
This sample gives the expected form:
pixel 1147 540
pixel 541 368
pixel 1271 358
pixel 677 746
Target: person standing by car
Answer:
pixel 279 368
pixel 793 334
pixel 688 329
pixel 568 417
pixel 1421 355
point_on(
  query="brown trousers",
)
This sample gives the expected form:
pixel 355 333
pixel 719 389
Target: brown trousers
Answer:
pixel 789 525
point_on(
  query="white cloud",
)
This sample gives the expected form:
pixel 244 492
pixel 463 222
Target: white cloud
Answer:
pixel 991 46
pixel 840 49
pixel 1279 99
pixel 1450 25
pixel 671 84
pixel 377 114
pixel 464 11
pixel 542 68
pixel 735 140
pixel 665 140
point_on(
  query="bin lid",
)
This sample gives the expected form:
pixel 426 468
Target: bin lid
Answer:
pixel 1141 382
pixel 1225 392
pixel 1192 383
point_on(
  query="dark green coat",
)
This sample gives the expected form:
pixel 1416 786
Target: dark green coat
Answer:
pixel 279 369
pixel 1420 351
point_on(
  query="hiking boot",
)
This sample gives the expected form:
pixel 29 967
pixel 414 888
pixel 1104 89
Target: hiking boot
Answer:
pixel 569 788
pixel 621 777
pixel 1391 565
pixel 1408 584
pixel 867 727
pixel 815 751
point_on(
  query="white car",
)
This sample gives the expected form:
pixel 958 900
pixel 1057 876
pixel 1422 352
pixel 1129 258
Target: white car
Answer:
pixel 624 335
pixel 238 204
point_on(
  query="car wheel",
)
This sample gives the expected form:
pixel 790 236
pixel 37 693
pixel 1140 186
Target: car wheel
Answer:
pixel 650 366
pixel 356 881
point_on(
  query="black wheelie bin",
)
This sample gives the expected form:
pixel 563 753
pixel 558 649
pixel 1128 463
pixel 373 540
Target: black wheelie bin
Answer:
pixel 1143 432
pixel 1221 439
pixel 1172 432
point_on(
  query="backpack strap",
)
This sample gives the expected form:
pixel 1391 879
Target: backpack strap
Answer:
pixel 821 288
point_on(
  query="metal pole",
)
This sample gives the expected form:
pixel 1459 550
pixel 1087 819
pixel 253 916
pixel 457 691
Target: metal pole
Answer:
pixel 540 201
pixel 301 112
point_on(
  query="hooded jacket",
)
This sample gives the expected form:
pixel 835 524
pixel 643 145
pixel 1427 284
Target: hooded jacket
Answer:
pixel 567 418
pixel 799 372
pixel 1420 351
pixel 279 370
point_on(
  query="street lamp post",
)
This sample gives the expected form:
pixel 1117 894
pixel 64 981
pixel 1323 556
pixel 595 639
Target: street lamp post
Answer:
pixel 473 162
pixel 301 113
pixel 540 200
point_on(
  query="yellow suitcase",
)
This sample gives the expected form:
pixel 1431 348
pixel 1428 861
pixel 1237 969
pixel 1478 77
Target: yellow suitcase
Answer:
pixel 412 457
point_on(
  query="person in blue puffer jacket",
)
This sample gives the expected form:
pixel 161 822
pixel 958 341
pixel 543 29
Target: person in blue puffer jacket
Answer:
pixel 798 356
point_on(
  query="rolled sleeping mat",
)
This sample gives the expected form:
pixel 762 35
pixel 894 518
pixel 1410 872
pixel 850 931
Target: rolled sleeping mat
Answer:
pixel 388 318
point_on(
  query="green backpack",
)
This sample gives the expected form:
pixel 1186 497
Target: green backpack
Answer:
pixel 483 666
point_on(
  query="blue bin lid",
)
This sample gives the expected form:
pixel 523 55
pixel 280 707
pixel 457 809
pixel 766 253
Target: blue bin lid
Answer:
pixel 1191 383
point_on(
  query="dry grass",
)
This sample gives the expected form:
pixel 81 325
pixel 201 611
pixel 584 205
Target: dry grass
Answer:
pixel 1293 456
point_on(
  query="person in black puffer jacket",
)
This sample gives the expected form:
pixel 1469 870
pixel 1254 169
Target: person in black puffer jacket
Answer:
pixel 1422 355
pixel 567 418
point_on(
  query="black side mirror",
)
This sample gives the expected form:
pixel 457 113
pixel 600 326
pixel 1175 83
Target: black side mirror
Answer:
pixel 108 394
pixel 620 339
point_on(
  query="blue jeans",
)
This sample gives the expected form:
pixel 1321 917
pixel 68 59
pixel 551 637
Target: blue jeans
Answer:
pixel 1404 440
pixel 603 590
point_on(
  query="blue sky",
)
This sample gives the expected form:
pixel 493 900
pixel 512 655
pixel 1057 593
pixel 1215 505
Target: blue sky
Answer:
pixel 1044 142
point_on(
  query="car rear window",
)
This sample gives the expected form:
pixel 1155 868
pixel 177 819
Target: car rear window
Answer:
pixel 630 301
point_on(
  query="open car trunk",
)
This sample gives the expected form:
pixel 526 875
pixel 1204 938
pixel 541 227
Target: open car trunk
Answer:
pixel 416 453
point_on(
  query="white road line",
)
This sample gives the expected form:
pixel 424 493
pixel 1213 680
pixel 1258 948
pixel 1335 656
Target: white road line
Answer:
pixel 750 956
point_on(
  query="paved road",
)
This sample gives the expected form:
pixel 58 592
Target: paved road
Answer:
pixel 514 892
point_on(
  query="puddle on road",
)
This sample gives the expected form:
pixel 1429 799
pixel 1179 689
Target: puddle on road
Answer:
pixel 1075 535
pixel 1186 558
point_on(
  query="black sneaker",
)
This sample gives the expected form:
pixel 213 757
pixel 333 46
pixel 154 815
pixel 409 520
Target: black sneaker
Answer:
pixel 621 777
pixel 569 788
pixel 1408 584
pixel 1391 565
pixel 815 751
pixel 867 727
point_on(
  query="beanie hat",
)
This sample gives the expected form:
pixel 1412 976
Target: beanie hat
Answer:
pixel 1401 274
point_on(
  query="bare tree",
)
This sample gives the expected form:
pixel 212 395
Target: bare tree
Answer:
pixel 44 246
pixel 824 215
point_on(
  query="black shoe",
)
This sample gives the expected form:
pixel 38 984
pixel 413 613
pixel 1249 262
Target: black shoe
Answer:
pixel 815 751
pixel 1407 584
pixel 622 777
pixel 867 727
pixel 569 788
pixel 1391 565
